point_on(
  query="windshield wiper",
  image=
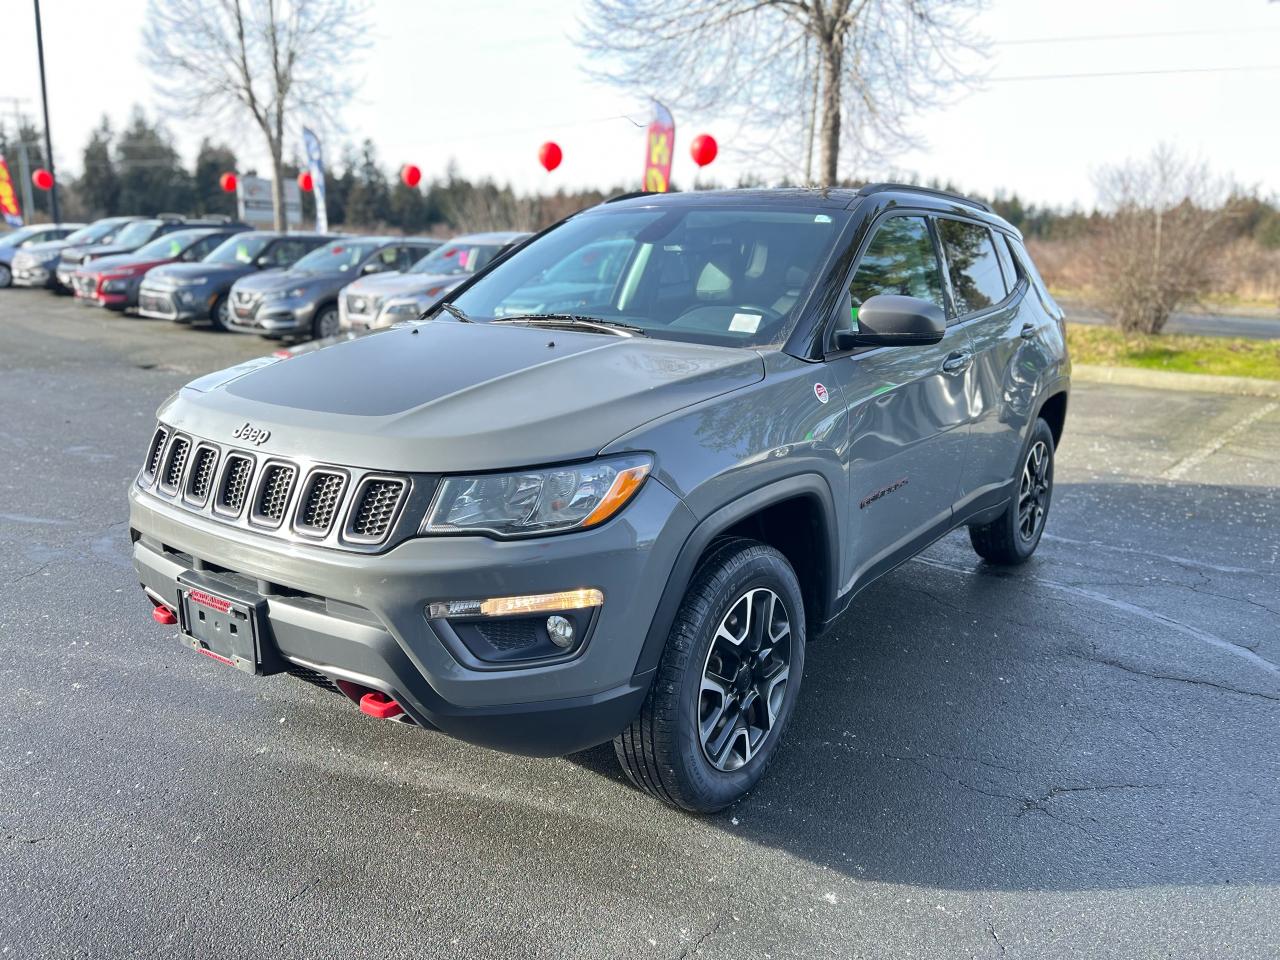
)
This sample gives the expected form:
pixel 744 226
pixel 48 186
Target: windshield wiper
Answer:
pixel 455 312
pixel 573 320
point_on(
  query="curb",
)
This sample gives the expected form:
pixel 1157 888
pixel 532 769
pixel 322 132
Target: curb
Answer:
pixel 1171 380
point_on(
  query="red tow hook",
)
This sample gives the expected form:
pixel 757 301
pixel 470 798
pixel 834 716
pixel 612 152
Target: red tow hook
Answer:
pixel 379 706
pixel 162 614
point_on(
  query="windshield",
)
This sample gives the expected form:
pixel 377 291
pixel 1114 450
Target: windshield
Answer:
pixel 709 274
pixel 342 256
pixel 15 237
pixel 101 231
pixel 170 246
pixel 136 233
pixel 457 258
pixel 243 248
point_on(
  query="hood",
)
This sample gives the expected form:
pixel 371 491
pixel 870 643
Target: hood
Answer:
pixel 398 284
pixel 201 271
pixel 270 281
pixel 450 397
pixel 103 264
pixel 110 250
pixel 43 251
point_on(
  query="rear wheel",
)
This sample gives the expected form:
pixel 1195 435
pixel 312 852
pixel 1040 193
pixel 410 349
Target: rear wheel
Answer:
pixel 220 313
pixel 727 682
pixel 326 322
pixel 1012 537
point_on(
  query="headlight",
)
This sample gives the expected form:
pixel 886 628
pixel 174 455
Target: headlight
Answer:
pixel 115 285
pixel 527 502
pixel 404 310
pixel 185 281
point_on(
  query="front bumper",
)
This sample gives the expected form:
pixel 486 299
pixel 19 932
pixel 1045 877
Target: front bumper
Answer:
pixel 362 617
pixel 274 317
pixel 179 303
pixel 32 276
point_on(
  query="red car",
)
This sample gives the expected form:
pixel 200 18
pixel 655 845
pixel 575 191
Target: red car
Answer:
pixel 113 282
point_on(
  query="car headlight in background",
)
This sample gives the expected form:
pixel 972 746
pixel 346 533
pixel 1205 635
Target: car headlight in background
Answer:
pixel 115 284
pixel 528 502
pixel 404 310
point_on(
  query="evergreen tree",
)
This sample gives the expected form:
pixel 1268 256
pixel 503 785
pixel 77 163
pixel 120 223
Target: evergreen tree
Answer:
pixel 370 200
pixel 99 184
pixel 152 178
pixel 212 161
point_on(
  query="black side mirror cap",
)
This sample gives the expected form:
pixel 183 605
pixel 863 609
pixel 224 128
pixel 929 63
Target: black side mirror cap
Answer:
pixel 890 320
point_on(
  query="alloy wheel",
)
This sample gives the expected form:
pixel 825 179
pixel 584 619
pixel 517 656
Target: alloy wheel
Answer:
pixel 1033 492
pixel 744 679
pixel 328 324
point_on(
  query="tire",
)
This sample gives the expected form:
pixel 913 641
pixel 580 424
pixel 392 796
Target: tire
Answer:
pixel 665 751
pixel 6 275
pixel 1012 537
pixel 220 313
pixel 326 322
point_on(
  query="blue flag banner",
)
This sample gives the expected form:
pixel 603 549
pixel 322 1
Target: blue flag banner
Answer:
pixel 315 161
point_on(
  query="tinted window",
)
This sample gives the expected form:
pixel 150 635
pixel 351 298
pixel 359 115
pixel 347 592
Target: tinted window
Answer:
pixel 457 258
pixel 288 250
pixel 241 248
pixel 1006 261
pixel 900 259
pixel 340 256
pixel 974 268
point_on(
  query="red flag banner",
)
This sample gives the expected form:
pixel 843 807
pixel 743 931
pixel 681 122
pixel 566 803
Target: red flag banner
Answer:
pixel 9 208
pixel 660 143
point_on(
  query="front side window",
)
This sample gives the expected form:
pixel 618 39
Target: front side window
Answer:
pixel 716 274
pixel 456 259
pixel 242 248
pixel 901 260
pixel 972 264
pixel 342 256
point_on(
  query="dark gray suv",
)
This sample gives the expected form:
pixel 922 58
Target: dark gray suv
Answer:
pixel 621 515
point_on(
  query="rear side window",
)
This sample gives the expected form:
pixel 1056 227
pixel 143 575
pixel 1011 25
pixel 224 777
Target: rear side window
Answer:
pixel 972 264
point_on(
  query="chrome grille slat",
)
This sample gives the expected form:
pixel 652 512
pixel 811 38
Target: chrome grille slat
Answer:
pixel 234 488
pixel 374 510
pixel 321 501
pixel 175 462
pixel 274 489
pixel 158 440
pixel 204 465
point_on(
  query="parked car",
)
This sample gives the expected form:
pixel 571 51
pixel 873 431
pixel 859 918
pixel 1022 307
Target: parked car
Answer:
pixel 25 237
pixel 541 531
pixel 383 299
pixel 130 237
pixel 36 265
pixel 113 282
pixel 303 300
pixel 184 292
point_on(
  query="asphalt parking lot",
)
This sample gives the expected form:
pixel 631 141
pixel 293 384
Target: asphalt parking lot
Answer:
pixel 1076 759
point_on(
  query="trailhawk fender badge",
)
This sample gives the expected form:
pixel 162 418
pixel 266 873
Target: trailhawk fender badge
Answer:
pixel 251 434
pixel 820 392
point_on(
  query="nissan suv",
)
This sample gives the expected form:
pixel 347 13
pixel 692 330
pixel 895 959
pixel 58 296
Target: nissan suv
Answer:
pixel 624 514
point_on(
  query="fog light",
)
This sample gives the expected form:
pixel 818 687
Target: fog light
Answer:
pixel 560 630
pixel 509 606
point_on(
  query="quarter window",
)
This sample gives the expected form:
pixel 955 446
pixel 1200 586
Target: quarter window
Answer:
pixel 973 265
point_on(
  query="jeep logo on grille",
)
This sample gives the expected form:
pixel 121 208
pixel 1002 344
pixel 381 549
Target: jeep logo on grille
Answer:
pixel 251 434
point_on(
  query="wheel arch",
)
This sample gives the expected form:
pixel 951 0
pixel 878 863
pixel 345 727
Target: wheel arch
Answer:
pixel 1053 409
pixel 795 515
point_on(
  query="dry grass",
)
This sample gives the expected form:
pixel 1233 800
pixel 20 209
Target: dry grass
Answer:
pixel 1222 356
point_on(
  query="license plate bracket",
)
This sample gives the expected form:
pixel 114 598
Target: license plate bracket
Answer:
pixel 226 624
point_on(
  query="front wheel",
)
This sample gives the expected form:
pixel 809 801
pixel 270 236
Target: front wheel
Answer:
pixel 220 313
pixel 6 275
pixel 326 323
pixel 1013 536
pixel 727 682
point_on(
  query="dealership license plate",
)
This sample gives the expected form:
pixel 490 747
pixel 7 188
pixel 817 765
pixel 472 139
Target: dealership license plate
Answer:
pixel 224 625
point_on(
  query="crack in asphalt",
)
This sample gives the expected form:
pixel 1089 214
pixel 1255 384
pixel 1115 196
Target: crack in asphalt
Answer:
pixel 991 929
pixel 1127 668
pixel 696 946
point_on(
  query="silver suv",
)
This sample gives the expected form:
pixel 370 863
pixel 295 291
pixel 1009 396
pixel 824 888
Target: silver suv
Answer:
pixel 621 515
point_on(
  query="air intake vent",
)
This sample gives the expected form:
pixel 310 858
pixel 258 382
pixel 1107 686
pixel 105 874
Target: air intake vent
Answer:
pixel 154 453
pixel 273 493
pixel 234 489
pixel 200 479
pixel 321 499
pixel 374 511
pixel 174 464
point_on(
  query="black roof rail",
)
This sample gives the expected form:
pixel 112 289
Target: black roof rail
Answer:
pixel 632 195
pixel 873 188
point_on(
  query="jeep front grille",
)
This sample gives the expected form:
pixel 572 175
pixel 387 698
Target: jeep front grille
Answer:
pixel 320 502
pixel 155 452
pixel 375 508
pixel 174 464
pixel 273 493
pixel 235 484
pixel 200 479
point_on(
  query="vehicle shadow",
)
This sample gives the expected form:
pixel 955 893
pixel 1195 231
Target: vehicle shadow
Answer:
pixel 1066 725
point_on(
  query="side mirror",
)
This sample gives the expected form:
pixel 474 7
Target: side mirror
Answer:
pixel 890 320
pixel 373 266
pixel 262 262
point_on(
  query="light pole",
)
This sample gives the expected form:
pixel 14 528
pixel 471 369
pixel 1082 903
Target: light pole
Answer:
pixel 44 98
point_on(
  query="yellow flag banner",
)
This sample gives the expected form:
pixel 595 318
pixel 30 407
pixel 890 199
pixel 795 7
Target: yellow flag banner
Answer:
pixel 659 144
pixel 9 208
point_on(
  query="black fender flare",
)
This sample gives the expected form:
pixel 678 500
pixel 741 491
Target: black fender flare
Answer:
pixel 813 486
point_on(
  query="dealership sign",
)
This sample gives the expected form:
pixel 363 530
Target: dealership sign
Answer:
pixel 9 208
pixel 253 196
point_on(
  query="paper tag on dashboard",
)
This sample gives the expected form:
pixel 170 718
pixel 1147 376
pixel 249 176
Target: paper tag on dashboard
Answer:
pixel 745 323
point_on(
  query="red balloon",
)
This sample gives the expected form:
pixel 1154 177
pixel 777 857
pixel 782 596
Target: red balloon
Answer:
pixel 704 149
pixel 411 175
pixel 43 179
pixel 228 182
pixel 550 155
pixel 306 183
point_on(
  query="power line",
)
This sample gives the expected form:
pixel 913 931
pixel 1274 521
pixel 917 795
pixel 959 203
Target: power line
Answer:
pixel 1088 38
pixel 1132 73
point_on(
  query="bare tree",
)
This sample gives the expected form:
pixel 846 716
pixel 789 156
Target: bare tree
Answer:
pixel 277 61
pixel 1169 220
pixel 854 69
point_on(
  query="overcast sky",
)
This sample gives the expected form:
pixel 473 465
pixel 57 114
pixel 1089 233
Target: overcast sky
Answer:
pixel 486 81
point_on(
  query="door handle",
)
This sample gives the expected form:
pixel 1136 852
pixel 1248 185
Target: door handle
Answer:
pixel 1028 331
pixel 957 362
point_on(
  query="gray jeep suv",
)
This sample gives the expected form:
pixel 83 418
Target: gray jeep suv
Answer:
pixel 624 515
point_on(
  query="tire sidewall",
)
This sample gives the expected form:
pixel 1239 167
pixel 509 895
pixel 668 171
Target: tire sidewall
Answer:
pixel 1040 432
pixel 712 788
pixel 6 275
pixel 220 315
pixel 317 327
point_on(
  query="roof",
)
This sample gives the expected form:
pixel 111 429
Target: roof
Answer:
pixel 492 236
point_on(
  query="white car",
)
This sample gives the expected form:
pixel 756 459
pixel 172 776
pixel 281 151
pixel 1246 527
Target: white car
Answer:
pixel 383 299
